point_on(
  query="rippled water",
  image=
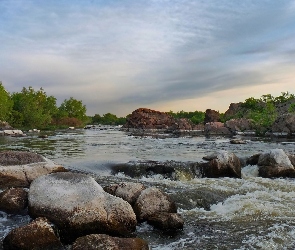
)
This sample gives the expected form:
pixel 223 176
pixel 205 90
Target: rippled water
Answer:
pixel 224 213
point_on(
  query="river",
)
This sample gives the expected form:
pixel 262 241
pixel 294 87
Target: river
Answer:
pixel 222 213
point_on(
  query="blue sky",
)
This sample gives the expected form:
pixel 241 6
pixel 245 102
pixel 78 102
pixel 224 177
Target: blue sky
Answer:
pixel 117 56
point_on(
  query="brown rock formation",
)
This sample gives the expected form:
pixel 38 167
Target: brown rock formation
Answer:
pixel 211 116
pixel 13 200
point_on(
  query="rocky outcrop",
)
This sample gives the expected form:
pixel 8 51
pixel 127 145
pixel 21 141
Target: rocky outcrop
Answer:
pixel 19 169
pixel 275 163
pixel 221 164
pixel 37 235
pixel 166 221
pixel 128 191
pixel 238 125
pixel 144 118
pixel 232 111
pixel 211 116
pixel 153 201
pixel 284 124
pixel 216 128
pixel 103 241
pixel 79 206
pixel 13 200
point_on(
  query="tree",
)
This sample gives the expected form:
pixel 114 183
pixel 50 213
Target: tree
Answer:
pixel 5 104
pixel 33 108
pixel 73 108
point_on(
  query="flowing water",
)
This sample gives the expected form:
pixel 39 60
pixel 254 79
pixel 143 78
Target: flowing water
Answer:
pixel 223 213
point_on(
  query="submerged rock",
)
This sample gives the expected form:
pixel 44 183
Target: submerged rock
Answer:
pixel 103 241
pixel 221 164
pixel 275 163
pixel 13 200
pixel 152 201
pixel 166 221
pixel 37 235
pixel 79 206
pixel 19 169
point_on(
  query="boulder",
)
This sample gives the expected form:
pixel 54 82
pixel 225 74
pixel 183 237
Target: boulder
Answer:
pixel 221 164
pixel 284 124
pixel 14 200
pixel 237 141
pixel 152 201
pixel 19 169
pixel 103 241
pixel 233 109
pixel 292 159
pixel 144 118
pixel 211 116
pixel 37 235
pixel 275 163
pixel 253 160
pixel 242 124
pixel 216 128
pixel 166 221
pixel 128 191
pixel 79 206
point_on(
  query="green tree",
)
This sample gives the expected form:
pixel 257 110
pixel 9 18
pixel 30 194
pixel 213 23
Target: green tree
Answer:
pixel 73 108
pixel 5 104
pixel 33 108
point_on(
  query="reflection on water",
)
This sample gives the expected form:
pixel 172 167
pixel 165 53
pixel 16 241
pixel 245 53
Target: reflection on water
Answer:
pixel 224 213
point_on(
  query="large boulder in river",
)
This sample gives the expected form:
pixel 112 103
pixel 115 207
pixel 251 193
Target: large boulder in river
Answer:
pixel 144 118
pixel 37 235
pixel 152 201
pixel 221 164
pixel 79 206
pixel 19 169
pixel 103 241
pixel 13 200
pixel 275 163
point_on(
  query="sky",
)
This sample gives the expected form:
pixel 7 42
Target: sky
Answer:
pixel 120 55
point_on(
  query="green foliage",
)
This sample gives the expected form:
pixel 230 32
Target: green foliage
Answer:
pixel 292 108
pixel 6 104
pixel 32 109
pixel 73 108
pixel 108 119
pixel 196 117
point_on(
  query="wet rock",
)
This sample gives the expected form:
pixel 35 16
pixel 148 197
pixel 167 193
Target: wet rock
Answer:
pixel 237 141
pixel 253 160
pixel 242 124
pixel 275 163
pixel 152 201
pixel 211 116
pixel 37 235
pixel 216 128
pixel 284 123
pixel 103 241
pixel 144 118
pixel 79 206
pixel 19 169
pixel 128 191
pixel 13 200
pixel 222 164
pixel 166 221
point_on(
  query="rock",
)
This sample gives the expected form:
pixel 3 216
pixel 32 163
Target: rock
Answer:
pixel 237 141
pixel 128 191
pixel 79 206
pixel 37 235
pixel 14 132
pixel 5 126
pixel 144 118
pixel 275 163
pixel 211 116
pixel 14 200
pixel 232 111
pixel 166 221
pixel 242 124
pixel 103 241
pixel 292 159
pixel 253 160
pixel 152 201
pixel 19 169
pixel 284 123
pixel 222 164
pixel 216 128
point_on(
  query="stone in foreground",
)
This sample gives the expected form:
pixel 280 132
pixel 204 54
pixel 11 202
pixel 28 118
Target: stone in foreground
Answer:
pixel 19 169
pixel 152 201
pixel 103 241
pixel 14 200
pixel 79 206
pixel 37 235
